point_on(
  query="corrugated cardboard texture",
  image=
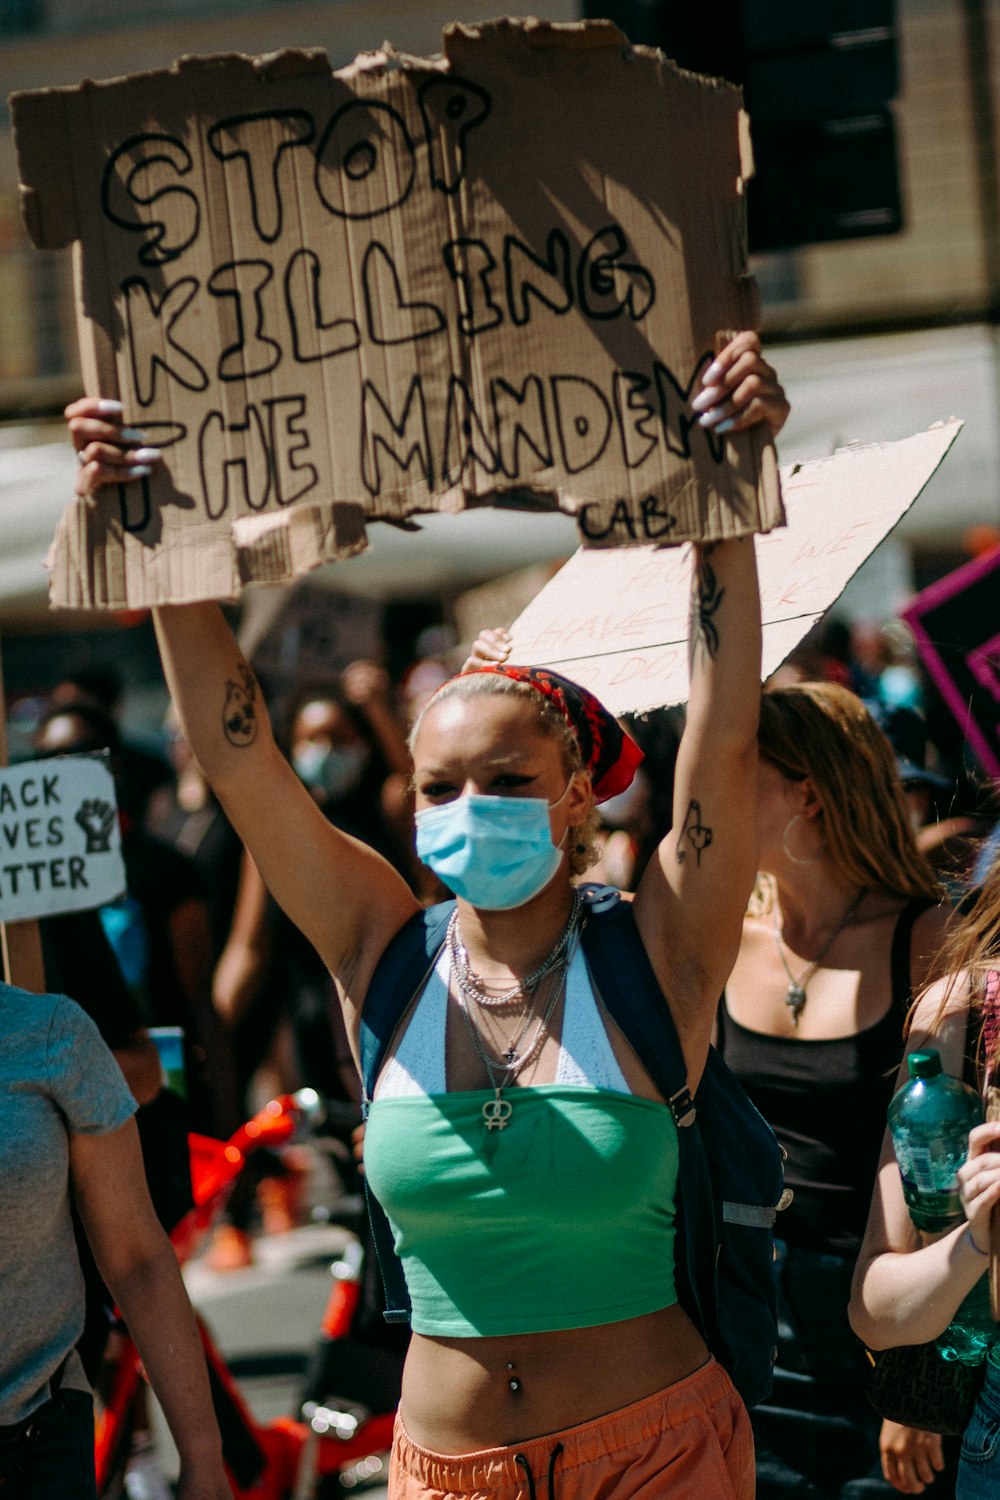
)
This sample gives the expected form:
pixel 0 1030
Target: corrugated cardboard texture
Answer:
pixel 413 285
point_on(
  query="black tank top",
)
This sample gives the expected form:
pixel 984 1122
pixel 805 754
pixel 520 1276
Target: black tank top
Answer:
pixel 826 1101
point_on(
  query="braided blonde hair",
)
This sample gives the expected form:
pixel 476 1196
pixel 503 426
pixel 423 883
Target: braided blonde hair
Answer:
pixel 582 850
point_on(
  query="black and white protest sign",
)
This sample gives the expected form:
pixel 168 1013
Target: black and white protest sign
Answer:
pixel 60 848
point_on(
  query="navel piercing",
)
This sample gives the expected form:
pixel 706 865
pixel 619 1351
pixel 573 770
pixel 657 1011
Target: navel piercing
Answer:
pixel 513 1383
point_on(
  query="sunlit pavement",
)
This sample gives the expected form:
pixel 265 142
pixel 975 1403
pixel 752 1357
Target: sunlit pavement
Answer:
pixel 266 1318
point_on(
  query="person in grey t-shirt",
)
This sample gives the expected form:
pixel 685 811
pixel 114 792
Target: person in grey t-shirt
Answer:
pixel 68 1133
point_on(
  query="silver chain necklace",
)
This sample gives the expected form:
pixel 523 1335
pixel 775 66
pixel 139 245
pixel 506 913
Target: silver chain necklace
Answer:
pixel 471 984
pixel 497 1111
pixel 470 993
pixel 796 997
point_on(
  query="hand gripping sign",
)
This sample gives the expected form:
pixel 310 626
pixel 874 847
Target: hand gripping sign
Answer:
pixel 59 844
pixel 493 277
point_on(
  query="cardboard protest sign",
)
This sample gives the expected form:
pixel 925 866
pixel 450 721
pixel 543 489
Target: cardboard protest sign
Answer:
pixel 308 634
pixel 956 625
pixel 59 844
pixel 496 276
pixel 617 621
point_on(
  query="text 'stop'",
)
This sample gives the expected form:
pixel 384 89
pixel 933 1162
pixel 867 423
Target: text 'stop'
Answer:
pixel 496 276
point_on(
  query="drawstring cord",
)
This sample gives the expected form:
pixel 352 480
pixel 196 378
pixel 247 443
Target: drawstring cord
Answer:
pixel 519 1458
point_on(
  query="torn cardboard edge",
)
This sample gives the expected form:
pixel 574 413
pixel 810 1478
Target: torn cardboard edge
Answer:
pixel 617 622
pixel 407 286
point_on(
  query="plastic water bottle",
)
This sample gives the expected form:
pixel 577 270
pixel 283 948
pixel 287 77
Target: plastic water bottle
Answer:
pixel 972 1331
pixel 930 1119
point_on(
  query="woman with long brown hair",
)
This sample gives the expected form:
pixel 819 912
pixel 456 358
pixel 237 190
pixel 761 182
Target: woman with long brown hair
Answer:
pixel 909 1286
pixel 841 931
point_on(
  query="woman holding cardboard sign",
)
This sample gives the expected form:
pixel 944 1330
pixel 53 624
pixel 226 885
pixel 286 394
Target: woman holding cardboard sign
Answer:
pixel 516 1142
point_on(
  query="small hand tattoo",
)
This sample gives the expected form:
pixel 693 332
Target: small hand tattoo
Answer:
pixel 239 712
pixel 697 834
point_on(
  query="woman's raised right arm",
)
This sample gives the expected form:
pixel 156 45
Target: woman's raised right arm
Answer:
pixel 346 899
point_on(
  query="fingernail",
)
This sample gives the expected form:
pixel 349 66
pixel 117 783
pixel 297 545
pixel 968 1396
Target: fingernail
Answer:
pixel 708 397
pixel 140 471
pixel 727 425
pixel 108 408
pixel 145 455
pixel 714 372
pixel 133 435
pixel 713 418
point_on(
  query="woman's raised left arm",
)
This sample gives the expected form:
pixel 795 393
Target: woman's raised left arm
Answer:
pixel 691 900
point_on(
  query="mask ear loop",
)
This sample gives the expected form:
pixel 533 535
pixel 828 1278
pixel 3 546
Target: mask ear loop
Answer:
pixel 565 792
pixel 580 848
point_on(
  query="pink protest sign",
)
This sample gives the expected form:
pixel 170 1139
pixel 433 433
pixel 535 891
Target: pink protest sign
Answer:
pixel 956 623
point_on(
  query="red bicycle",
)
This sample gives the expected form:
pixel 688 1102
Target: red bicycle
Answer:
pixel 344 1424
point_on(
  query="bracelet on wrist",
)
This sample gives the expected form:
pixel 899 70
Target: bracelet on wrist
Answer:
pixel 971 1239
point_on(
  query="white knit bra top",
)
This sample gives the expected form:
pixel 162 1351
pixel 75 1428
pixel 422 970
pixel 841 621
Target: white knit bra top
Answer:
pixel 586 1057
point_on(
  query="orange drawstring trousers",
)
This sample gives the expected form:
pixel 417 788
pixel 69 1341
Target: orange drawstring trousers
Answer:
pixel 690 1442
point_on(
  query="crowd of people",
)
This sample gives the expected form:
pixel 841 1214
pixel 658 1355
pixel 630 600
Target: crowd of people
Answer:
pixel 798 854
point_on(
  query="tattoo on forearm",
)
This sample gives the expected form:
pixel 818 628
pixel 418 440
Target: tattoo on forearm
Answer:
pixel 694 832
pixel 707 595
pixel 239 712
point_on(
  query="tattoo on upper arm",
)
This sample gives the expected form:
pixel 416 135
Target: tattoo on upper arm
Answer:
pixel 694 832
pixel 707 595
pixel 239 711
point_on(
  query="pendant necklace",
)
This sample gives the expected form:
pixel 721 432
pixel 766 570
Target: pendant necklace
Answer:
pixel 497 1111
pixel 470 993
pixel 796 996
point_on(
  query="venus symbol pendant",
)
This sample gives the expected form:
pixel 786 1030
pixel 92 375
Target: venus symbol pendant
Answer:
pixel 496 1112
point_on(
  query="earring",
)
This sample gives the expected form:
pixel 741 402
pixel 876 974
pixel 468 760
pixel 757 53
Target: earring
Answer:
pixel 795 858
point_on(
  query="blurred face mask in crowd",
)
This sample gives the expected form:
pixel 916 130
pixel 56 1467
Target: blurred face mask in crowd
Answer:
pixel 335 770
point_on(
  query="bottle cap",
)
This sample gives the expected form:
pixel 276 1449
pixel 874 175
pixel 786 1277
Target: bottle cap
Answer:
pixel 924 1064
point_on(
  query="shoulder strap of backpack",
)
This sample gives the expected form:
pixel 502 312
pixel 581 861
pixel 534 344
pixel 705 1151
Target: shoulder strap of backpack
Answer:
pixel 398 976
pixel 632 995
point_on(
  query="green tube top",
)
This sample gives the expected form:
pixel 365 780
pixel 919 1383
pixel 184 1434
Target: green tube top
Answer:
pixel 565 1219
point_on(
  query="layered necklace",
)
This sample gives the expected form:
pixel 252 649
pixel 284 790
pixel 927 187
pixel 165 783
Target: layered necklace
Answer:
pixel 796 996
pixel 473 997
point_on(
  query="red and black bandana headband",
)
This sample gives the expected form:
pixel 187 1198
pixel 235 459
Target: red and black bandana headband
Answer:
pixel 608 753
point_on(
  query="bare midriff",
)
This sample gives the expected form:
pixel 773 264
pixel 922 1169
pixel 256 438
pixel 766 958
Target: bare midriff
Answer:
pixel 463 1395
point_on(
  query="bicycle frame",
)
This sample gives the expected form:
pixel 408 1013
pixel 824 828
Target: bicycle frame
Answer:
pixel 288 1458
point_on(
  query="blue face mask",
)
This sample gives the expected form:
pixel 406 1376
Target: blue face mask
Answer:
pixel 334 769
pixel 494 852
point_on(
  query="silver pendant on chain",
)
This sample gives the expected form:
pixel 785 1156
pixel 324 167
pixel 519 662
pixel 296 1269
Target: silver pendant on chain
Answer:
pixel 796 1001
pixel 497 1111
